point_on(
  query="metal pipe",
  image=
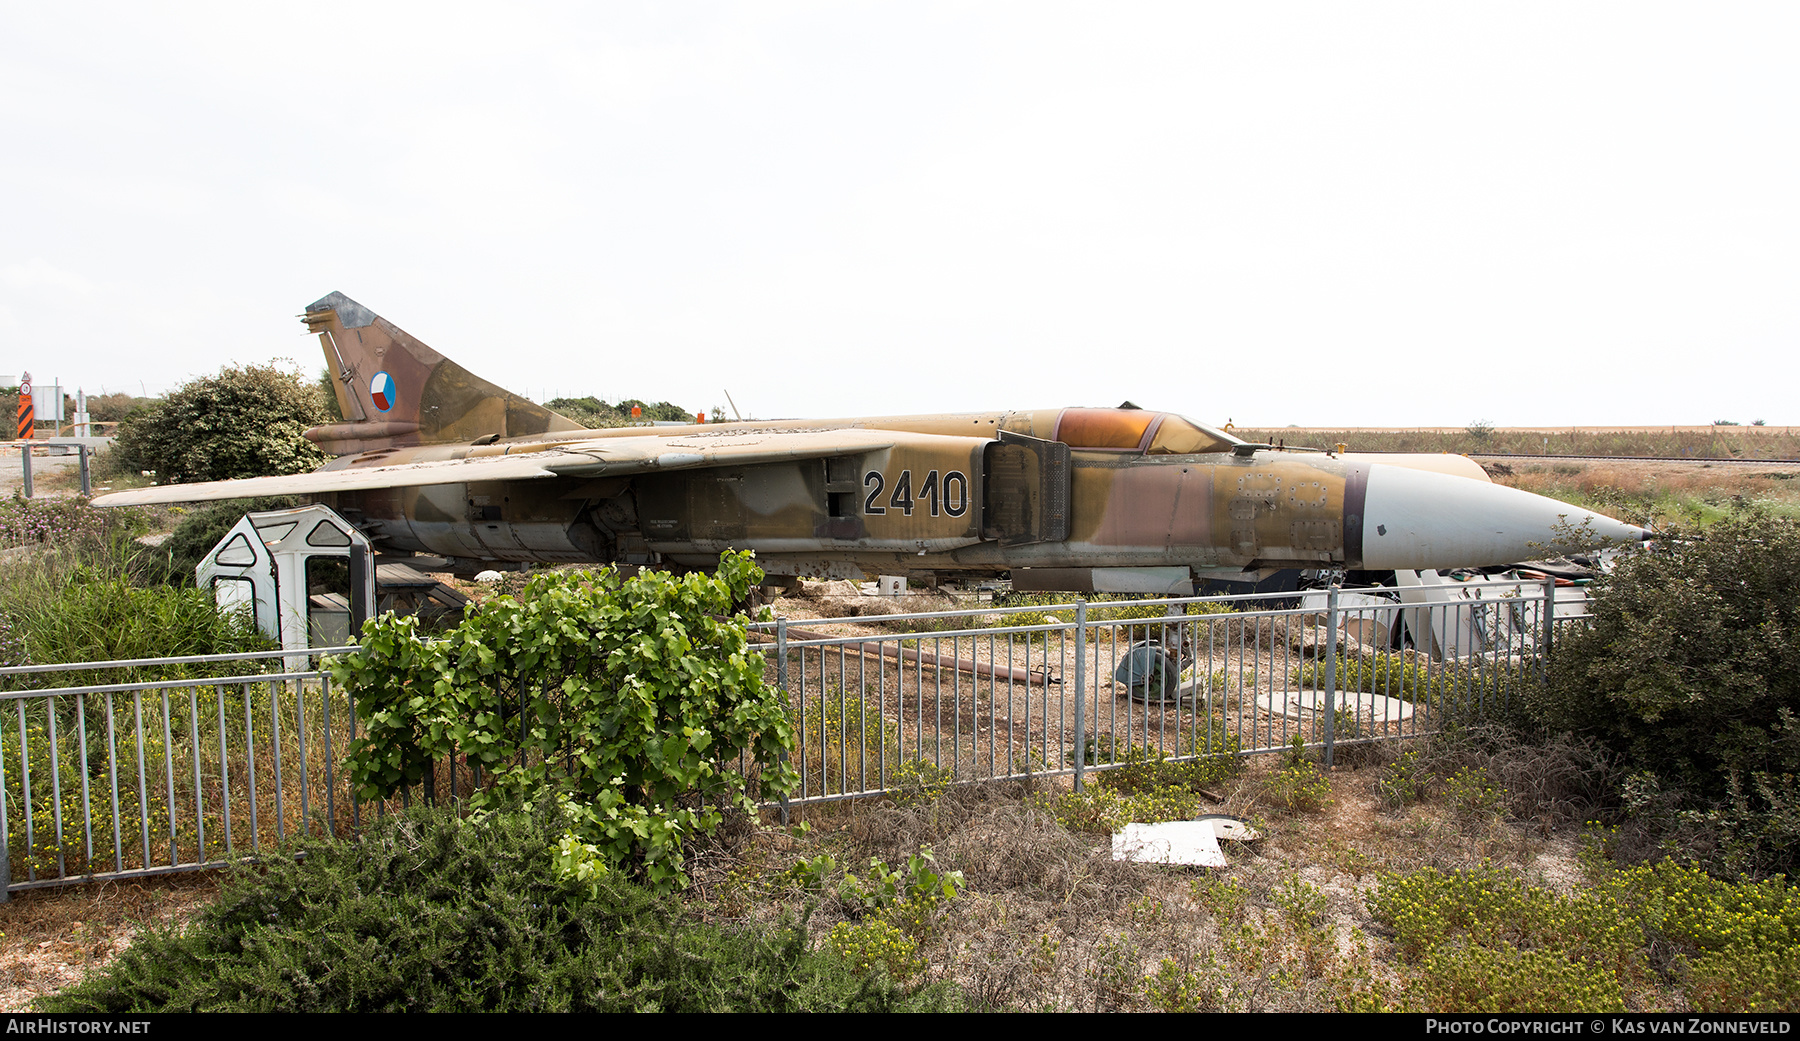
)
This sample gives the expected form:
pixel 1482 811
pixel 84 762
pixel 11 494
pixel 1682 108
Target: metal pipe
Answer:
pixel 1331 634
pixel 781 668
pixel 1081 692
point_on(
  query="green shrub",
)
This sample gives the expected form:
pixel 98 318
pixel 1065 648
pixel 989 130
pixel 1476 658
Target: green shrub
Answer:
pixel 95 617
pixel 916 882
pixel 1402 676
pixel 244 422
pixel 919 782
pixel 1698 912
pixel 1691 664
pixel 1404 781
pixel 1174 989
pixel 1739 939
pixel 1690 671
pixel 1481 940
pixel 1486 907
pixel 1745 979
pixel 1473 794
pixel 1299 786
pixel 1487 979
pixel 868 945
pixel 635 698
pixel 430 913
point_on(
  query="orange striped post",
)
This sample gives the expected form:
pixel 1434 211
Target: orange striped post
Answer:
pixel 27 415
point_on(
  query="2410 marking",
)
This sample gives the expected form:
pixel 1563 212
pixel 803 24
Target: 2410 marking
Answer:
pixel 949 495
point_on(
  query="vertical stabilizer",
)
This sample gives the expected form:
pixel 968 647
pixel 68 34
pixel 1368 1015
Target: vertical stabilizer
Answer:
pixel 394 390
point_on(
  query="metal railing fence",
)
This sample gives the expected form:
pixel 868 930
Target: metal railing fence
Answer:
pixel 173 764
pixel 1064 690
pixel 206 759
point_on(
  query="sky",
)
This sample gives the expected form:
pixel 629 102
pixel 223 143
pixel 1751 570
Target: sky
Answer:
pixel 1315 214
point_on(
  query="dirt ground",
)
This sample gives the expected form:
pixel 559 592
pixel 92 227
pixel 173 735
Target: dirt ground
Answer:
pixel 49 937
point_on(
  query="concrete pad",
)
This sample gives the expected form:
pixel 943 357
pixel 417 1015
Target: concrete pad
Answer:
pixel 1376 708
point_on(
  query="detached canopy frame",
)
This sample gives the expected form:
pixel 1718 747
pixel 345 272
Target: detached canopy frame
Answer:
pixel 264 565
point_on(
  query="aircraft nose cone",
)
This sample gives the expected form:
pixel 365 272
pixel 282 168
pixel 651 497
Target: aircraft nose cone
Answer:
pixel 1413 519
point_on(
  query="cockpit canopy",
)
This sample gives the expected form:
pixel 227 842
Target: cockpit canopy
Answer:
pixel 1137 430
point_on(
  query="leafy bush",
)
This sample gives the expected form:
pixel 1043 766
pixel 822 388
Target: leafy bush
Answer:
pixel 1690 670
pixel 635 698
pixel 244 422
pixel 1691 665
pixel 917 881
pixel 430 913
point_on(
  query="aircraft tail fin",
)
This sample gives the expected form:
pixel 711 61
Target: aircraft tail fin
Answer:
pixel 393 390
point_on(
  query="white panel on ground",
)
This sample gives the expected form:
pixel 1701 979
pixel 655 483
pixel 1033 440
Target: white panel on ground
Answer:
pixel 1172 842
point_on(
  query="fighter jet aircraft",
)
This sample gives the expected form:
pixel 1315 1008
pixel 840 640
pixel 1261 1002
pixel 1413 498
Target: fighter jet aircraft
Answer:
pixel 431 459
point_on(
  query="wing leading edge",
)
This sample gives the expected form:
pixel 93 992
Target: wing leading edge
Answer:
pixel 615 456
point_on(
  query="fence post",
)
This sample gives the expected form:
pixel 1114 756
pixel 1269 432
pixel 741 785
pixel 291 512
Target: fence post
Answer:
pixel 87 479
pixel 1331 631
pixel 1549 637
pixel 5 853
pixel 1080 692
pixel 781 680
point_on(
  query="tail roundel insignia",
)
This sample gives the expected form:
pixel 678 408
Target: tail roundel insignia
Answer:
pixel 381 391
